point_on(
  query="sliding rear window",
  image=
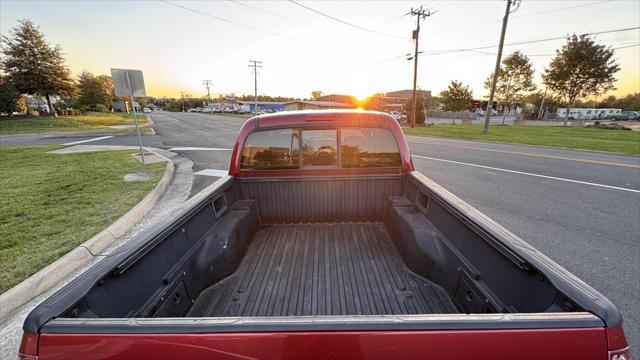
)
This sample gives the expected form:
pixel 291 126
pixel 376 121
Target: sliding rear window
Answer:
pixel 282 149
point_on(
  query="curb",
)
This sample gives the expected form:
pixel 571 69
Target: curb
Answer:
pixel 46 278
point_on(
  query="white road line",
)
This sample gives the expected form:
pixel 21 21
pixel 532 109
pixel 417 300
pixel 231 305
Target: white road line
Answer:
pixel 185 148
pixel 212 172
pixel 88 140
pixel 529 174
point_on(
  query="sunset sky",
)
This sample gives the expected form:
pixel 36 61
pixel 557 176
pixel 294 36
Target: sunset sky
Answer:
pixel 178 44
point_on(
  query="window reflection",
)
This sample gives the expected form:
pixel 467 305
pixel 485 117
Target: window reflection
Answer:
pixel 319 147
pixel 271 150
pixel 368 147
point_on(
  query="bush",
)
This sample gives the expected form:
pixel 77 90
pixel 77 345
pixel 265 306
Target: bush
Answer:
pixel 63 112
pixel 33 113
pixel 75 112
pixel 101 108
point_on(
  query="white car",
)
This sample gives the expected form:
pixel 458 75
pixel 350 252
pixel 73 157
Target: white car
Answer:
pixel 146 110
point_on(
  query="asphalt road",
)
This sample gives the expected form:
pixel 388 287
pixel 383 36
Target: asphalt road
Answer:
pixel 580 208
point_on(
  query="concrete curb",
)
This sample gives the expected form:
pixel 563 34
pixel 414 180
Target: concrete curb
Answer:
pixel 46 278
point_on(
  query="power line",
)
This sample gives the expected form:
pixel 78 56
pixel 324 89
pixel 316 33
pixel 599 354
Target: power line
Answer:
pixel 346 22
pixel 231 21
pixel 480 24
pixel 440 52
pixel 613 48
pixel 269 12
pixel 561 9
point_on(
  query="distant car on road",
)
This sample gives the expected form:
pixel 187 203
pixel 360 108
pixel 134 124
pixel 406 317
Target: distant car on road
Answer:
pixel 146 110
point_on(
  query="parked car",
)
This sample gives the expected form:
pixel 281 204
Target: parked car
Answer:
pixel 482 112
pixel 398 115
pixel 625 115
pixel 146 110
pixel 306 250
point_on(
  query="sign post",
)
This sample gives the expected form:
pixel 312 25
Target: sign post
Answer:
pixel 130 83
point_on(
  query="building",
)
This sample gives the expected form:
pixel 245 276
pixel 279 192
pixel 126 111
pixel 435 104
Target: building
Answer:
pixel 407 94
pixel 317 105
pixel 395 100
pixel 346 99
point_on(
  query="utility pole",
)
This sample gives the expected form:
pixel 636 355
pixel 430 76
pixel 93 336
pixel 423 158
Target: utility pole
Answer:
pixel 419 13
pixel 255 64
pixel 182 97
pixel 207 84
pixel 542 105
pixel 487 115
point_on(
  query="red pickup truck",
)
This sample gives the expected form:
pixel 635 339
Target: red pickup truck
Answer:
pixel 323 242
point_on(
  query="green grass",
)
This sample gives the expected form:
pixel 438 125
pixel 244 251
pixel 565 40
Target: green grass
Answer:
pixel 52 203
pixel 240 116
pixel 88 121
pixel 620 141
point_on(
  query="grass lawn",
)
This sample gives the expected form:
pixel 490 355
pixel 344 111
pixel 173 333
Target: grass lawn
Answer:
pixel 240 116
pixel 620 141
pixel 52 203
pixel 88 121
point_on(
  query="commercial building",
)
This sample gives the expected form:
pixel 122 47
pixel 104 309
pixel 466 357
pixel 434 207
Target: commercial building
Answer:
pixel 317 105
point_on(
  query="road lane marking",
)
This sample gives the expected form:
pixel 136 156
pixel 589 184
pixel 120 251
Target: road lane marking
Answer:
pixel 530 174
pixel 187 148
pixel 212 172
pixel 555 157
pixel 88 140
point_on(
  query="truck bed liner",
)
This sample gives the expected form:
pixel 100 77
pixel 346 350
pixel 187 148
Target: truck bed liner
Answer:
pixel 322 269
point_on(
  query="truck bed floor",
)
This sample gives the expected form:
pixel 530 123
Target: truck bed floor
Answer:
pixel 322 269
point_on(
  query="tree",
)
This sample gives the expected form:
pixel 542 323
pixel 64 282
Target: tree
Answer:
pixel 581 68
pixel 629 102
pixel 316 93
pixel 456 98
pixel 34 66
pixel 515 78
pixel 422 105
pixel 9 97
pixel 94 91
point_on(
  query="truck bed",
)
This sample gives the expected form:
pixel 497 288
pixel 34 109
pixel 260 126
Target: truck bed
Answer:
pixel 322 269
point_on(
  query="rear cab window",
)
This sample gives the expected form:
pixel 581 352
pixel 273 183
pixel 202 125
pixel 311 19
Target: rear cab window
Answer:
pixel 317 149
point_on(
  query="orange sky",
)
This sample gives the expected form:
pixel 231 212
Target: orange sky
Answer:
pixel 302 51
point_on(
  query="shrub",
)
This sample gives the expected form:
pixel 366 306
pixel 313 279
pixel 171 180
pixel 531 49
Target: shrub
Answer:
pixel 33 113
pixel 101 108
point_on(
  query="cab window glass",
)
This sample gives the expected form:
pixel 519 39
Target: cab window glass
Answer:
pixel 271 150
pixel 319 147
pixel 368 147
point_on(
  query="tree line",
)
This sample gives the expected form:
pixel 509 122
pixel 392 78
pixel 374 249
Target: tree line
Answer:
pixel 579 70
pixel 31 66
